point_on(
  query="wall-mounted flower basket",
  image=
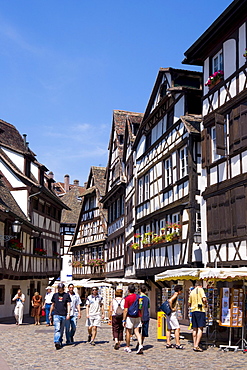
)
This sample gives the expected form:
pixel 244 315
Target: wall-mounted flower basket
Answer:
pixel 135 246
pixel 40 251
pixel 77 264
pixel 96 262
pixel 214 79
pixel 16 245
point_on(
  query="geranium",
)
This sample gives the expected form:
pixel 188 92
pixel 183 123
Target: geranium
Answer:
pixel 15 244
pixel 245 54
pixel 134 246
pixel 40 251
pixel 218 75
pixel 77 263
pixel 96 262
pixel 56 254
pixel 137 236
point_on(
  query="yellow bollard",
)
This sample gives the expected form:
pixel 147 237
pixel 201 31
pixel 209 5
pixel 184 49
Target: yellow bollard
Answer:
pixel 161 326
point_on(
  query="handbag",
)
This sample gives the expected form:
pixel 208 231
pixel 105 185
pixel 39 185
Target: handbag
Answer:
pixel 165 307
pixel 43 312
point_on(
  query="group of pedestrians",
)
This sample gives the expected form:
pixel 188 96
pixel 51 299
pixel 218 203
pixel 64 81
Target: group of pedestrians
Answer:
pixel 129 314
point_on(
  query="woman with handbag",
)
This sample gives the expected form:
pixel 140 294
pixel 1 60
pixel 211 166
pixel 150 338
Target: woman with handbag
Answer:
pixel 37 305
pixel 172 321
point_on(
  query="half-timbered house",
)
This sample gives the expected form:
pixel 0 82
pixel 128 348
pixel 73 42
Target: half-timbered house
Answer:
pixel 114 200
pixel 31 256
pixel 89 242
pixel 221 50
pixel 167 158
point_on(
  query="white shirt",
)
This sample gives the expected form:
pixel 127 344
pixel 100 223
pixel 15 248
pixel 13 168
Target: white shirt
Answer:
pixel 75 301
pixel 115 303
pixel 48 297
pixel 19 301
pixel 95 303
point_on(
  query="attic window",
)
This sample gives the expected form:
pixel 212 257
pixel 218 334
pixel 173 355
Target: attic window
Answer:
pixel 135 127
pixel 120 139
pixel 163 89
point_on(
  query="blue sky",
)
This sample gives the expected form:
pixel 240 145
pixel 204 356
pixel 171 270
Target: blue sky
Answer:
pixel 66 65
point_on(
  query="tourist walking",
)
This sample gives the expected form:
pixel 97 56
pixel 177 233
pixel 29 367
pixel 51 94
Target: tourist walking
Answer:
pixel 36 307
pixel 144 305
pixel 94 313
pixel 75 313
pixel 198 303
pixel 132 319
pixel 47 305
pixel 116 313
pixel 172 321
pixel 61 312
pixel 19 298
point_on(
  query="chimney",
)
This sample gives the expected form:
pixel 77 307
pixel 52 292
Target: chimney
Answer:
pixel 66 183
pixel 51 175
pixel 76 182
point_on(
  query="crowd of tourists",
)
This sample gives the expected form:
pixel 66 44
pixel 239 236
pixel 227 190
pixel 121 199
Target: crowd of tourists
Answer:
pixel 129 314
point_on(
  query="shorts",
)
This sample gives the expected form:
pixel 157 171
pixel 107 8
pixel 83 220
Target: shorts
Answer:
pixel 198 319
pixel 172 321
pixel 133 322
pixel 93 321
pixel 145 325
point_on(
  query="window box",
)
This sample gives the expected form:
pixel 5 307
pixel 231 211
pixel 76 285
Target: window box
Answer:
pixel 214 79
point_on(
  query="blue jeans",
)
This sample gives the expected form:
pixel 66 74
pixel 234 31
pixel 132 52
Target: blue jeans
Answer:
pixel 70 328
pixel 47 312
pixel 59 323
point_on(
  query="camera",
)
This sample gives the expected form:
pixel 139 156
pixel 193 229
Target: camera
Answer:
pixel 199 306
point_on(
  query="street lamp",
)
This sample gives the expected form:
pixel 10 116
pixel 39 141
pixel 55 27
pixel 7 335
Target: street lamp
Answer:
pixel 16 227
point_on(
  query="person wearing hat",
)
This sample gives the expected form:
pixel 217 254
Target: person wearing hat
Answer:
pixel 61 312
pixel 47 305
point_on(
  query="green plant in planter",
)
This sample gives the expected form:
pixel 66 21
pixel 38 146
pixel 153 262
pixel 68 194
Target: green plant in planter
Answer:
pixel 157 239
pixel 172 236
pixel 134 246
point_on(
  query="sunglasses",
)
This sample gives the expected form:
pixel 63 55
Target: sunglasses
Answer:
pixel 94 289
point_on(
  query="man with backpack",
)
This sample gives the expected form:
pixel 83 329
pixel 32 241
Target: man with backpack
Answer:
pixel 132 319
pixel 116 314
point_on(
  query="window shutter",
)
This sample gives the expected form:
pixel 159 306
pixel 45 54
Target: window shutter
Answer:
pixel 243 124
pixel 235 133
pixel 220 134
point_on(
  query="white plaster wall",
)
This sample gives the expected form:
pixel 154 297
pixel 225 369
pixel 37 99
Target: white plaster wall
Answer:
pixel 244 161
pixel 229 52
pixel 179 109
pixel 35 170
pixel 213 175
pixel 16 158
pixel 222 168
pixel 242 44
pixel 242 79
pixel 21 197
pixel 140 147
pixel 235 166
pixel 12 179
pixel 205 75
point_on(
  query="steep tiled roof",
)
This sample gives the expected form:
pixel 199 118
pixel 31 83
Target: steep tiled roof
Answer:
pixel 59 188
pixel 120 117
pixel 73 201
pixel 98 174
pixel 10 137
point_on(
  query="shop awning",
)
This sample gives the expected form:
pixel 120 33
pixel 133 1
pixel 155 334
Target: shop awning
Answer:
pixel 181 274
pixel 227 274
pixel 125 281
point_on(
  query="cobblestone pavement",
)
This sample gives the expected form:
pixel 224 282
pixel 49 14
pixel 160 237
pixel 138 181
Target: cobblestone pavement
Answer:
pixel 30 347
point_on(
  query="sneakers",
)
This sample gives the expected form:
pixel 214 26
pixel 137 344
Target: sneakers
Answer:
pixel 92 343
pixel 117 346
pixel 127 349
pixel 89 338
pixel 72 339
pixel 140 350
pixel 58 346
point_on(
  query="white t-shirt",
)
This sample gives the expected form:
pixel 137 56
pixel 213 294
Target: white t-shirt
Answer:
pixel 95 303
pixel 19 301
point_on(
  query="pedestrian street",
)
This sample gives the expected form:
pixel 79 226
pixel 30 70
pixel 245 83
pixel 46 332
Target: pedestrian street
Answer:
pixel 31 347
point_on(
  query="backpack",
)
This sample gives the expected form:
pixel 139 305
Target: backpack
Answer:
pixel 133 310
pixel 119 310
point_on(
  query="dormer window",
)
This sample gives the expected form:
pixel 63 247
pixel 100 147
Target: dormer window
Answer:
pixel 27 167
pixel 120 139
pixel 218 62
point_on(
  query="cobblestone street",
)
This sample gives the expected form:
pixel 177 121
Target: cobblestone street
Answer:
pixel 31 347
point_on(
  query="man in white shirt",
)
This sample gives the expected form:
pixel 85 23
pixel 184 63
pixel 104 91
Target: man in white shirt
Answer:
pixel 94 305
pixel 75 313
pixel 47 304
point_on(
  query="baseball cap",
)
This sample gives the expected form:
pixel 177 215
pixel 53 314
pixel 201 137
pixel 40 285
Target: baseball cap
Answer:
pixel 61 285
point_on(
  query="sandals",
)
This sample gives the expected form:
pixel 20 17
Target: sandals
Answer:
pixel 179 346
pixel 197 349
pixel 170 346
